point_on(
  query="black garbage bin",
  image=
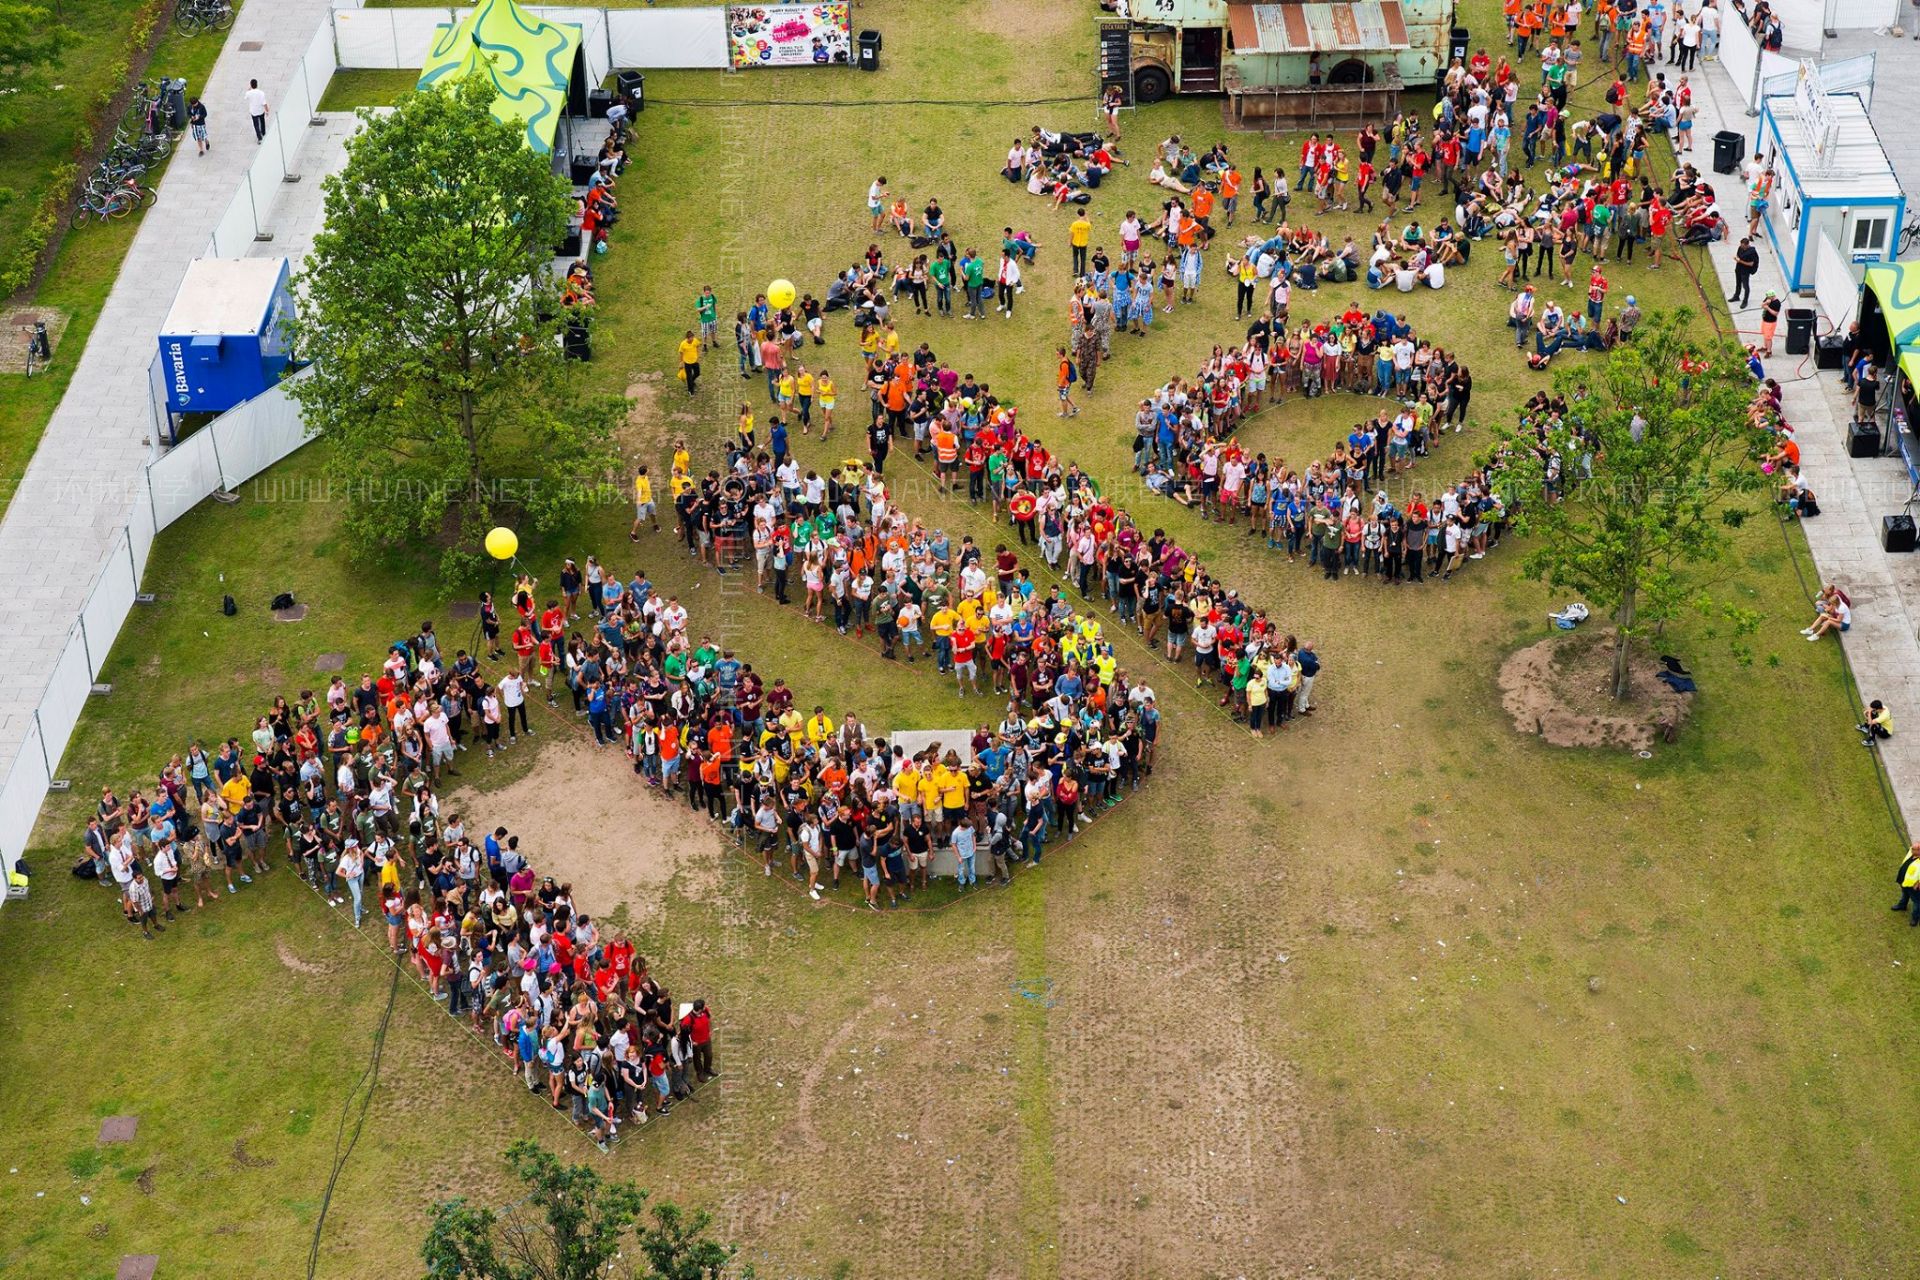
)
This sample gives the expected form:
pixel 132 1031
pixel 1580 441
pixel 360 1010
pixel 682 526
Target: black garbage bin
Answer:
pixel 869 50
pixel 175 95
pixel 632 85
pixel 1729 149
pixel 1799 330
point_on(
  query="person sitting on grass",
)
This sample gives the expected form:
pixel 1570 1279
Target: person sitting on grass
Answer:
pixel 1833 613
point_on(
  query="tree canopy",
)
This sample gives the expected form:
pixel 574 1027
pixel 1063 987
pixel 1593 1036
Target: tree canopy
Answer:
pixel 571 1224
pixel 1627 496
pixel 433 316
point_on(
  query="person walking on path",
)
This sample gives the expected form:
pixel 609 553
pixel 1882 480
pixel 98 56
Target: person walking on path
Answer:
pixel 197 124
pixel 1746 261
pixel 257 109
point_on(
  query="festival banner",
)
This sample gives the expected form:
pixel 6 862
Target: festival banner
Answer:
pixel 790 35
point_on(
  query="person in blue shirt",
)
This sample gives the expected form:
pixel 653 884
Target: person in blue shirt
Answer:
pixel 611 593
pixel 777 441
pixel 640 589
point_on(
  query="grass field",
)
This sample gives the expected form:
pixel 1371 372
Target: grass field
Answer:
pixel 1403 993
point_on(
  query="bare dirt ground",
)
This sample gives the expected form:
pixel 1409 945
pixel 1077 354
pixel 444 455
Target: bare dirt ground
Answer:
pixel 615 839
pixel 1558 690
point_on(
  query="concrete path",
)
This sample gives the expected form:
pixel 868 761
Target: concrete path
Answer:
pixel 80 486
pixel 1884 644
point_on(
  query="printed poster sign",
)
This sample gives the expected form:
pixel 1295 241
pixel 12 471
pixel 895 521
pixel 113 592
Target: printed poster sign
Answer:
pixel 790 35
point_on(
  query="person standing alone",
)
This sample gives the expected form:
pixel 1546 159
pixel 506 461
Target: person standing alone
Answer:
pixel 257 109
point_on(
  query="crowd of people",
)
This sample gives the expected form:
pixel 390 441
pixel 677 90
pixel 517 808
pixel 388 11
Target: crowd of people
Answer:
pixel 1337 512
pixel 345 787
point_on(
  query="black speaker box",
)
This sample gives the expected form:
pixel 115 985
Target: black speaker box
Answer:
pixel 1863 440
pixel 1896 532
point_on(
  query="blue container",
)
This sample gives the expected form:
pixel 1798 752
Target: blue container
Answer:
pixel 225 340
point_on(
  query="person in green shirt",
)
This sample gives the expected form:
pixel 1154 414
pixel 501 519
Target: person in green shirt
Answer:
pixel 973 274
pixel 707 307
pixel 996 477
pixel 942 273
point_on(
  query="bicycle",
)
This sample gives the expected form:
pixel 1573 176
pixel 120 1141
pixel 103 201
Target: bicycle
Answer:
pixel 195 16
pixel 105 201
pixel 1908 234
pixel 39 349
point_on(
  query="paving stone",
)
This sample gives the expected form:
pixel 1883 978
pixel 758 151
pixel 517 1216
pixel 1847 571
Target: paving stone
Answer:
pixel 137 1266
pixel 119 1128
pixel 330 662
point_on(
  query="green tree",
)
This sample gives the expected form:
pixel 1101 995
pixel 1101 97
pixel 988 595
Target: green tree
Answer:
pixel 1656 456
pixel 570 1224
pixel 31 43
pixel 433 317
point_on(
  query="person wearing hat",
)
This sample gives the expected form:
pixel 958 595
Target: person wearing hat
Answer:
pixel 1769 322
pixel 1629 318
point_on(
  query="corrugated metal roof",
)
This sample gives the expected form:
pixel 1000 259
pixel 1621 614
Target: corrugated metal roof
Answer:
pixel 1857 166
pixel 1361 25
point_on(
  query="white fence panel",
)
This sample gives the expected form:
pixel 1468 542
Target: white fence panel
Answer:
pixel 257 434
pixel 319 62
pixel 66 697
pixel 1747 64
pixel 665 38
pixel 140 527
pixel 20 796
pixel 389 39
pixel 182 476
pixel 1836 283
pixel 108 604
pixel 233 234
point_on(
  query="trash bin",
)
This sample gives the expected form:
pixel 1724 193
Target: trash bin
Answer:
pixel 869 50
pixel 1729 149
pixel 1799 330
pixel 175 94
pixel 632 85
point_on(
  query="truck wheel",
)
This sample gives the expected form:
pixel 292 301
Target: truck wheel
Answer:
pixel 1150 84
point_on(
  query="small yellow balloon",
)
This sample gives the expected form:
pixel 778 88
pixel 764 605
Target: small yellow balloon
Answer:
pixel 502 543
pixel 780 294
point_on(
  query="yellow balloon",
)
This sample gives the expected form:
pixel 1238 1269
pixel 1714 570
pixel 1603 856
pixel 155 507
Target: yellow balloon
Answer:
pixel 780 294
pixel 502 543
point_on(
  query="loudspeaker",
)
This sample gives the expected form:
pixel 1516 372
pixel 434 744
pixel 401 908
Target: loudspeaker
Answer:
pixel 570 247
pixel 1863 440
pixel 1896 532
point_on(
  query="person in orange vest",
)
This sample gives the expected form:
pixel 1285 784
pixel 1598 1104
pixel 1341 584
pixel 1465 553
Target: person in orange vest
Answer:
pixel 946 454
pixel 1527 25
pixel 1512 10
pixel 1202 205
pixel 1636 48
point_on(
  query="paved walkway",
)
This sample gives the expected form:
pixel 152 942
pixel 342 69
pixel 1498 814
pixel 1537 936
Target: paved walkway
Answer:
pixel 79 488
pixel 1884 644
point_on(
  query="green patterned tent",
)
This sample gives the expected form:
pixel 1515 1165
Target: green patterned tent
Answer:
pixel 1899 300
pixel 529 60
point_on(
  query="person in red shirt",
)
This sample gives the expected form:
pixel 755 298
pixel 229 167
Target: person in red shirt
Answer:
pixel 1659 219
pixel 699 1026
pixel 523 647
pixel 965 670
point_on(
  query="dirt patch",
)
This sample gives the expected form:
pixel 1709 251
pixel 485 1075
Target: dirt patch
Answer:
pixel 582 817
pixel 145 1180
pixel 292 960
pixel 13 352
pixel 1557 689
pixel 243 1159
pixel 635 437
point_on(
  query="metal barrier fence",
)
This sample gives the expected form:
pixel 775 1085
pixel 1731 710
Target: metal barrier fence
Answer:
pixel 227 452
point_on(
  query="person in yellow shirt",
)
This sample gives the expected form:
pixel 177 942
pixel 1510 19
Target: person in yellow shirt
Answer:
pixel 972 613
pixel 819 726
pixel 690 361
pixel 789 387
pixel 794 725
pixel 907 784
pixel 643 507
pixel 953 792
pixel 1079 235
pixel 826 406
pixel 234 791
pixel 803 391
pixel 943 622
